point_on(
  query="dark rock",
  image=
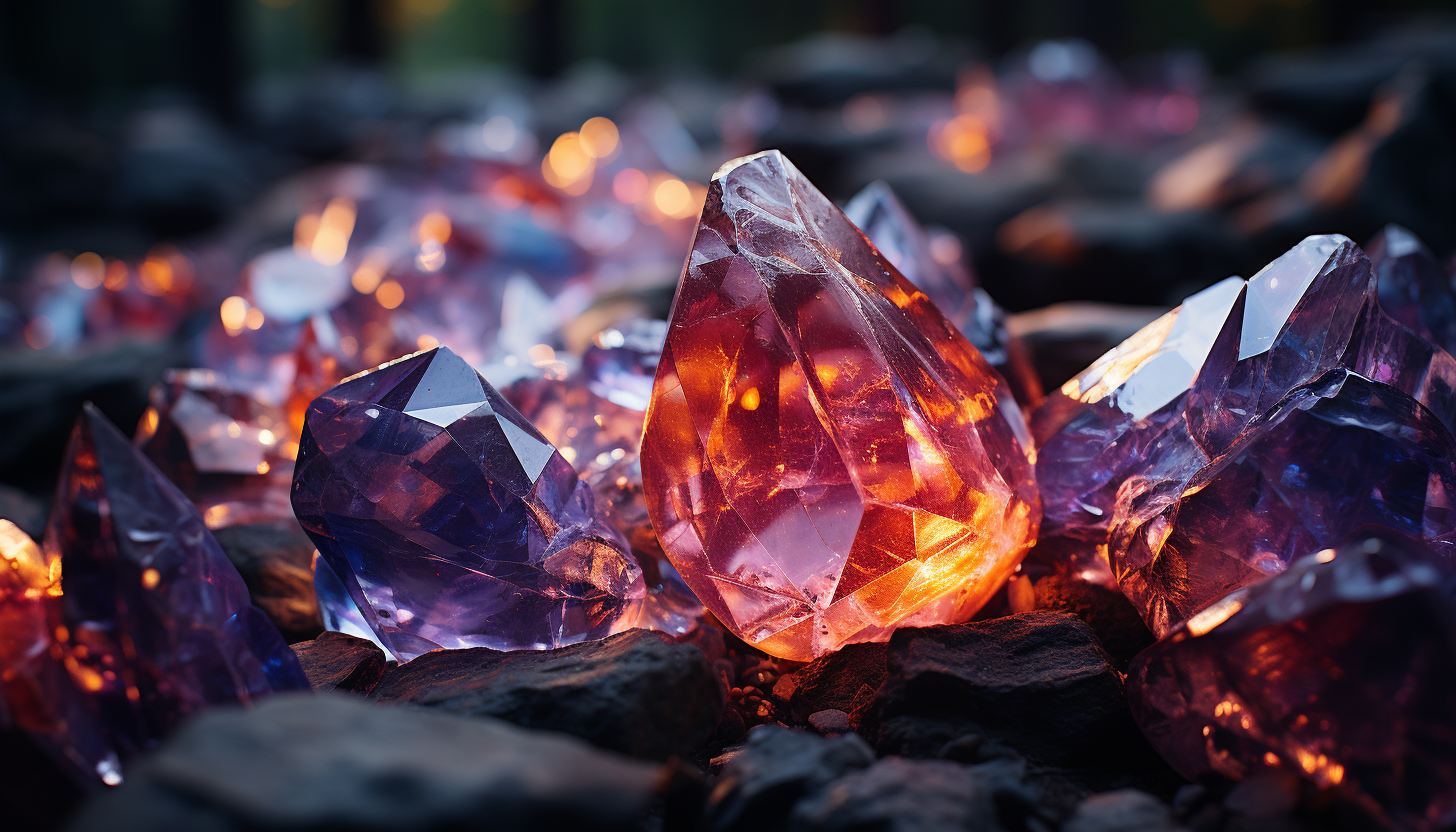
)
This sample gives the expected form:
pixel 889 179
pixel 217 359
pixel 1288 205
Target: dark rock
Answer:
pixel 317 762
pixel 1037 683
pixel 1119 628
pixel 1125 810
pixel 915 795
pixel 25 511
pixel 774 769
pixel 843 680
pixel 36 794
pixel 335 661
pixel 276 562
pixel 830 722
pixel 637 692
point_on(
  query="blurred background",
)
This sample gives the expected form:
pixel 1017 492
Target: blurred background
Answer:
pixel 248 185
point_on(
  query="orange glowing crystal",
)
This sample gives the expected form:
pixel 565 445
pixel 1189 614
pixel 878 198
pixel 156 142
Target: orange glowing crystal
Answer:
pixel 825 457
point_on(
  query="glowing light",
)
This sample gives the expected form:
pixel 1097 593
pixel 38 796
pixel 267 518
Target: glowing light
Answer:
pixel 630 186
pixel 88 270
pixel 541 354
pixel 39 333
pixel 1325 555
pixel 962 141
pixel 304 230
pixel 156 275
pixel 234 430
pixel 39 575
pixel 389 294
pixel 234 313
pixel 371 271
pixel 150 578
pixel 254 318
pixel 267 437
pixel 499 133
pixel 431 257
pixel 1271 758
pixel 599 137
pixel 568 165
pixel 264 467
pixel 672 197
pixel 427 342
pixel 750 399
pixel 433 227
pixel 116 276
pixel 150 421
pixel 336 225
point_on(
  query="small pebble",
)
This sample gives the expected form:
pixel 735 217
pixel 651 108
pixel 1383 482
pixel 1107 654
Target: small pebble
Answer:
pixel 830 722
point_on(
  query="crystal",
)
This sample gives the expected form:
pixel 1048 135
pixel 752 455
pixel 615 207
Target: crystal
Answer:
pixel 1412 288
pixel 1342 670
pixel 224 449
pixel 152 622
pixel 825 457
pixel 622 361
pixel 451 521
pixel 1094 430
pixel 944 278
pixel 1335 455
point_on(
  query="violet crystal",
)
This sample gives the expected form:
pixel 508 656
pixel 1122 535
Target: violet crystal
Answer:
pixel 450 521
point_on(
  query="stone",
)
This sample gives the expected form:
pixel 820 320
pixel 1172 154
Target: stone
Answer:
pixel 830 722
pixel 945 278
pixel 228 452
pixel 845 680
pixel 915 795
pixel 1339 670
pixel 335 661
pixel 825 457
pixel 1116 622
pixel 775 768
pixel 1095 430
pixel 1412 287
pixel 1037 683
pixel 1337 454
pixel 331 761
pixel 451 521
pixel 275 560
pixel 149 622
pixel 1124 810
pixel 635 693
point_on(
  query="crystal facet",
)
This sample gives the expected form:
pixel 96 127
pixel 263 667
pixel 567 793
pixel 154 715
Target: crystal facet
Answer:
pixel 1342 669
pixel 224 449
pixel 152 622
pixel 944 277
pixel 825 457
pixel 451 521
pixel 1412 288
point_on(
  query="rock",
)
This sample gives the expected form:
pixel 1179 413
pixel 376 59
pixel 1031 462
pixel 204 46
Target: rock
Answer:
pixel 637 692
pixel 774 769
pixel 915 795
pixel 1116 622
pixel 276 562
pixel 1125 810
pixel 335 661
pixel 25 511
pixel 315 762
pixel 1037 683
pixel 830 722
pixel 38 795
pixel 843 680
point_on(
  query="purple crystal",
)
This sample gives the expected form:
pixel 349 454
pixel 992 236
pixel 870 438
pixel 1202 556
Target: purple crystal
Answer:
pixel 947 282
pixel 153 624
pixel 1412 288
pixel 224 449
pixel 1097 428
pixel 451 521
pixel 1338 454
pixel 622 361
pixel 1342 669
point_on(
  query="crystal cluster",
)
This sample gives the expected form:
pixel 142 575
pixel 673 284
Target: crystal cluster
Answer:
pixel 450 521
pixel 825 456
pixel 224 449
pixel 1342 669
pixel 942 274
pixel 129 618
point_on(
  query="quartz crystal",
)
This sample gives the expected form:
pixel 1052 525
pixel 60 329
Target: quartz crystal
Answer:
pixel 944 278
pixel 1412 288
pixel 825 457
pixel 1336 455
pixel 224 449
pixel 1342 669
pixel 450 521
pixel 150 621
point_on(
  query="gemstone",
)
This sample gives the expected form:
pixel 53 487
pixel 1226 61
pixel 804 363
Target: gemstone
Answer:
pixel 622 361
pixel 1336 455
pixel 1097 428
pixel 451 521
pixel 225 450
pixel 153 622
pixel 944 277
pixel 825 456
pixel 1413 290
pixel 1342 670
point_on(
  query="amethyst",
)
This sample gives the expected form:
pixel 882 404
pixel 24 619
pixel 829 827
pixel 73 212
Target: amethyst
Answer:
pixel 1342 669
pixel 622 360
pixel 1413 290
pixel 451 521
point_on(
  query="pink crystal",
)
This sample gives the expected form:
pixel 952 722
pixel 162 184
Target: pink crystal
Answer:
pixel 825 457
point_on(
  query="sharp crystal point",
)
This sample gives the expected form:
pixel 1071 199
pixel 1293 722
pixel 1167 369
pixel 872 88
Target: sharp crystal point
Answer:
pixel 825 457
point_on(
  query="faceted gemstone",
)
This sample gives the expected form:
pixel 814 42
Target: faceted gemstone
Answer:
pixel 1413 290
pixel 152 622
pixel 1336 455
pixel 1342 670
pixel 224 449
pixel 825 457
pixel 948 282
pixel 451 521
pixel 1097 428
